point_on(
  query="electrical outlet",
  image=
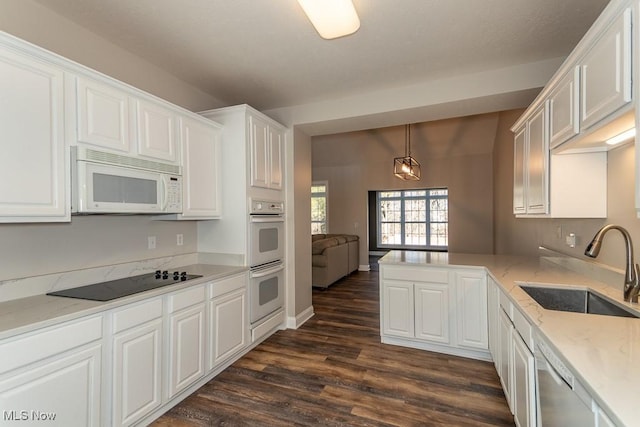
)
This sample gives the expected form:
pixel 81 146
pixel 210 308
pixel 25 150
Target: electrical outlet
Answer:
pixel 179 239
pixel 151 242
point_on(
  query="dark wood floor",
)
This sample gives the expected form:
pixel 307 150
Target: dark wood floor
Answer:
pixel 334 371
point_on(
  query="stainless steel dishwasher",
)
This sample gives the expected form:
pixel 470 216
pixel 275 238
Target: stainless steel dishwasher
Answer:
pixel 562 400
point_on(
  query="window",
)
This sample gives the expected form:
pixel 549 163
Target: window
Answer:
pixel 413 219
pixel 319 207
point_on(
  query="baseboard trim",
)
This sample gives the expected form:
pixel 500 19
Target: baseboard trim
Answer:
pixel 300 319
pixel 364 267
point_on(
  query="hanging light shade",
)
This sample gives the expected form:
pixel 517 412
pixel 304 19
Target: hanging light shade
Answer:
pixel 407 168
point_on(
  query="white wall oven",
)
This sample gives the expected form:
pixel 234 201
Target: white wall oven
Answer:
pixel 266 295
pixel 266 233
pixel 266 258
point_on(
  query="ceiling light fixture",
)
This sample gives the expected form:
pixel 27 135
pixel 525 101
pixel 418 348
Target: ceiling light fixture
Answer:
pixel 622 137
pixel 331 18
pixel 407 168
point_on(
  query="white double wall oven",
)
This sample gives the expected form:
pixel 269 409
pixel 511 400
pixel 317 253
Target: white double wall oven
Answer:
pixel 266 258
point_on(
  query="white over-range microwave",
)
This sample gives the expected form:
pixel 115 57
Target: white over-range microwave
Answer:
pixel 107 183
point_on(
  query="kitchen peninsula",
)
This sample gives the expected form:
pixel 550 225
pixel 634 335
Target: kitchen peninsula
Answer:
pixel 603 352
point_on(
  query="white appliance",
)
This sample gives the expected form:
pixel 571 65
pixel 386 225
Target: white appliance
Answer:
pixel 266 290
pixel 108 183
pixel 266 255
pixel 266 232
pixel 562 400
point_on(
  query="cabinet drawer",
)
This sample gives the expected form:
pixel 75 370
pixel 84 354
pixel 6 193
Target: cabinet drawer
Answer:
pixel 221 287
pixel 506 305
pixel 55 340
pixel 137 315
pixel 416 274
pixel 186 298
pixel 524 328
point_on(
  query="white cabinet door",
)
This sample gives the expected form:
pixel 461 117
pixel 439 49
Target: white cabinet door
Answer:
pixel 471 310
pixel 259 150
pixel 523 386
pixel 54 374
pixel 186 348
pixel 34 161
pixel 432 312
pixel 103 115
pixel 228 325
pixel 156 131
pixel 137 373
pixel 537 163
pixel 398 309
pixel 606 73
pixel 493 312
pixel 201 174
pixel 506 331
pixel 63 390
pixel 563 109
pixel 276 146
pixel 519 171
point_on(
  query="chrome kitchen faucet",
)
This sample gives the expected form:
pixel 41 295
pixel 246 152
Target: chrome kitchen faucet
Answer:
pixel 631 272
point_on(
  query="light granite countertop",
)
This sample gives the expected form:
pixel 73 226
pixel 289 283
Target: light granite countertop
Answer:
pixel 602 351
pixel 23 315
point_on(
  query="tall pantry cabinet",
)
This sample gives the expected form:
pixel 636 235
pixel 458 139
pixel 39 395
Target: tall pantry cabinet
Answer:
pixel 253 153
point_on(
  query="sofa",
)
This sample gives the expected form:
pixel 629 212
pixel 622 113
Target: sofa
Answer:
pixel 333 256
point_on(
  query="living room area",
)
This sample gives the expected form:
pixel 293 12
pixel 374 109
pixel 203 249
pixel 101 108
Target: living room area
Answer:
pixel 356 200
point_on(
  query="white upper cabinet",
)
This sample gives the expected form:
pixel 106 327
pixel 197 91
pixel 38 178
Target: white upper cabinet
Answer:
pixel 34 155
pixel 606 72
pixel 259 152
pixel 537 163
pixel 156 131
pixel 519 170
pixel 276 145
pixel 266 145
pixel 531 165
pixel 103 115
pixel 563 109
pixel 201 157
pixel 111 117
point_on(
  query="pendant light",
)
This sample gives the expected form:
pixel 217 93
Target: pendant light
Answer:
pixel 407 168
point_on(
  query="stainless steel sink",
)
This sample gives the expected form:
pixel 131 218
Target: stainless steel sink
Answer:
pixel 575 300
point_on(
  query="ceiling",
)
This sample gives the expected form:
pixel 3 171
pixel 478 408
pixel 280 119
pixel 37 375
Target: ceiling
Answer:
pixel 266 53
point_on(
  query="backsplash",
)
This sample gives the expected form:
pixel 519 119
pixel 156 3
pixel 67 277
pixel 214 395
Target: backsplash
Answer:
pixel 38 285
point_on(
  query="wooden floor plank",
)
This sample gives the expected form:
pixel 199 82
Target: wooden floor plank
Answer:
pixel 334 371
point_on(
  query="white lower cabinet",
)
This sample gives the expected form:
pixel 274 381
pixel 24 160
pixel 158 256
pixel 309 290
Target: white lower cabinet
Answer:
pixel 137 362
pixel 186 338
pixel 523 383
pixel 435 309
pixel 53 376
pixel 127 365
pixel 505 330
pixel 516 364
pixel 432 312
pixel 228 319
pixel 398 318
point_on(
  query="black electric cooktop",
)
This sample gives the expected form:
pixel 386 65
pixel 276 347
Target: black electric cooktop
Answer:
pixel 106 291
